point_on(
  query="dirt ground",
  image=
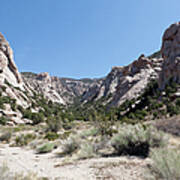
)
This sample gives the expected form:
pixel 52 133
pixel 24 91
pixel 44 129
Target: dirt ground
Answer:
pixel 21 160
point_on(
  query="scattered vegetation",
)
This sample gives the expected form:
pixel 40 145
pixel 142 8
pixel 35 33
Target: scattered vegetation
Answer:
pixel 5 174
pixel 3 120
pixel 51 136
pixel 165 166
pixel 137 140
pixel 70 146
pixel 87 151
pixel 46 148
pixel 89 132
pixel 23 140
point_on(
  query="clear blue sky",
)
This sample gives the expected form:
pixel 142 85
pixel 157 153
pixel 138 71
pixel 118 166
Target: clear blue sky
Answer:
pixel 84 38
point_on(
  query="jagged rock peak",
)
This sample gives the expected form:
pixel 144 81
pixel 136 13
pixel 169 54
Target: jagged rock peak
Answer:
pixel 171 53
pixel 7 66
pixel 44 77
pixel 141 63
pixel 125 83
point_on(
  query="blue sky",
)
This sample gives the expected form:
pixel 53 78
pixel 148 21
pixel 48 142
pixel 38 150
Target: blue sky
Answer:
pixel 84 38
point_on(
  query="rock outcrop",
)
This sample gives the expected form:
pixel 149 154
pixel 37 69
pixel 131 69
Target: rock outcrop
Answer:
pixel 125 83
pixel 121 84
pixel 171 55
pixel 8 69
pixel 60 90
pixel 12 87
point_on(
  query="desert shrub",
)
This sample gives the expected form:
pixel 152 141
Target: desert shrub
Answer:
pixel 51 136
pixel 26 113
pixel 103 124
pixel 70 146
pixel 7 100
pixel 137 140
pixel 86 151
pixel 35 117
pixel 165 166
pixel 46 148
pixel 163 112
pixel 155 114
pixel 157 105
pixel 178 101
pixel 23 140
pixel 53 124
pixel 65 135
pixel 172 109
pixel 5 174
pixel 171 87
pixel 3 120
pixel 140 114
pixel 67 125
pixel 89 132
pixel 6 136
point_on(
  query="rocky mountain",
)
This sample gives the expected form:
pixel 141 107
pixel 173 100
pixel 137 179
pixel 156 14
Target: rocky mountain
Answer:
pixel 60 90
pixel 13 90
pixel 128 82
pixel 125 83
pixel 28 91
pixel 171 55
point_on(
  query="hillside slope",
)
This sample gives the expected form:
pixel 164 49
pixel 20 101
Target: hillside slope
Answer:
pixel 125 83
pixel 26 96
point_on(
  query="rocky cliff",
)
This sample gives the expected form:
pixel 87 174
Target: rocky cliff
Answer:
pixel 125 83
pixel 60 90
pixel 13 91
pixel 171 54
pixel 8 69
pixel 121 84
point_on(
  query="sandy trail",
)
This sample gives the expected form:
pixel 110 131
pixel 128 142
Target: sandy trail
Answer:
pixel 49 165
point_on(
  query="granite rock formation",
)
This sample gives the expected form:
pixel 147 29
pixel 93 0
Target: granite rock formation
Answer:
pixel 121 84
pixel 125 83
pixel 171 54
pixel 8 69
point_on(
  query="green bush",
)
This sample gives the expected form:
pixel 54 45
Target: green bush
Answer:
pixel 140 114
pixel 165 166
pixel 53 124
pixel 178 101
pixel 86 151
pixel 23 140
pixel 155 114
pixel 89 132
pixel 173 110
pixel 3 120
pixel 70 146
pixel 51 136
pixel 35 117
pixel 46 148
pixel 137 140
